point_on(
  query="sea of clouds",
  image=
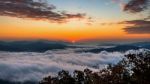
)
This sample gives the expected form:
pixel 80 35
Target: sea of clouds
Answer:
pixel 33 66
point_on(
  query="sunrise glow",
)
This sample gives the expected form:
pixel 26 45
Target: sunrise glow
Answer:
pixel 102 20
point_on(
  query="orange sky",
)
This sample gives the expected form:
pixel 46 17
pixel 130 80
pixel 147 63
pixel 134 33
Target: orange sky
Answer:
pixel 20 29
pixel 100 21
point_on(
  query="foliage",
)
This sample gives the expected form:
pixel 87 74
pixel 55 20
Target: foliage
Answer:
pixel 133 69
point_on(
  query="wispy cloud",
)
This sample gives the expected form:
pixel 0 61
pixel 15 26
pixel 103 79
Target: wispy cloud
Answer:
pixel 110 23
pixel 37 10
pixel 133 26
pixel 138 27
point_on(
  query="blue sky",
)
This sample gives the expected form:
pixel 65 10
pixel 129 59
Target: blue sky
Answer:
pixel 99 9
pixel 93 7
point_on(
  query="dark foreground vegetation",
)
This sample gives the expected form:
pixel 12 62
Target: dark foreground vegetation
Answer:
pixel 133 69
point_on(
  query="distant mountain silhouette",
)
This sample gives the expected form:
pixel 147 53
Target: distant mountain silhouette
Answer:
pixel 142 44
pixel 117 48
pixel 9 82
pixel 31 46
pixel 121 48
pixel 42 46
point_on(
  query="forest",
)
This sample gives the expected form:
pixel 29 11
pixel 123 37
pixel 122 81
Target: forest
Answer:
pixel 132 69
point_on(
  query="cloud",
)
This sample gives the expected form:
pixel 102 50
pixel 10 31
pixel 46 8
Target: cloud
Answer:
pixel 112 23
pixel 138 27
pixel 135 6
pixel 34 9
pixel 109 23
pixel 147 18
pixel 32 66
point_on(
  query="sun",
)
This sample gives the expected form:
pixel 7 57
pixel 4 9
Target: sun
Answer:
pixel 73 41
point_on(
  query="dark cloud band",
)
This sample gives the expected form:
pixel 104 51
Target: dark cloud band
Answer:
pixel 135 6
pixel 35 10
pixel 139 27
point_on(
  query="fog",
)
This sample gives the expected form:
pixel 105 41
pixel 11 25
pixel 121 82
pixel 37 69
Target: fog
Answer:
pixel 33 66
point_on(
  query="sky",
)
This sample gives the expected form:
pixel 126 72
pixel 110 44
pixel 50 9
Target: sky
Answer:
pixel 74 20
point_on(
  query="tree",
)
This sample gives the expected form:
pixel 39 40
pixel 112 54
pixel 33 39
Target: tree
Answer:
pixel 133 69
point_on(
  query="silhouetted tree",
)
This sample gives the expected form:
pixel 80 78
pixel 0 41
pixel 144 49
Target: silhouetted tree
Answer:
pixel 133 69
